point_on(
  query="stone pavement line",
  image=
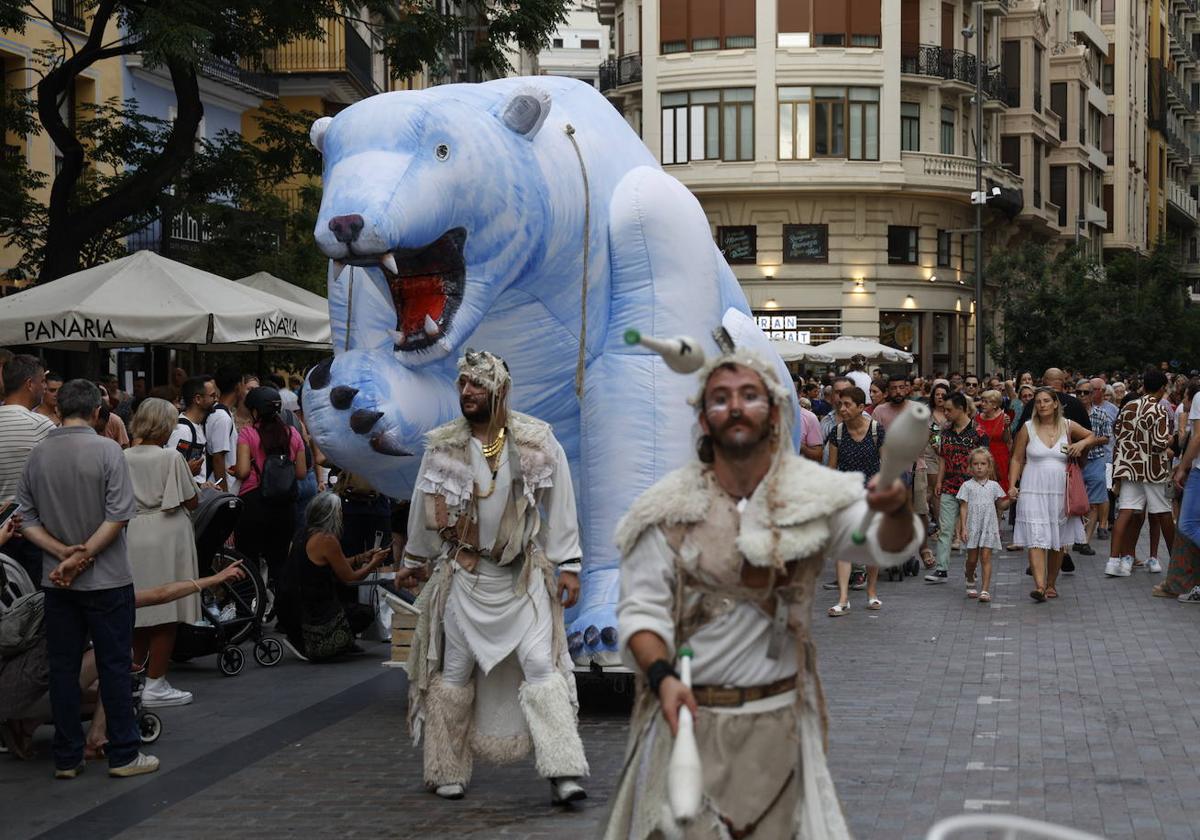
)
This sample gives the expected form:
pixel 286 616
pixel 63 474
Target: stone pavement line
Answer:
pixel 174 785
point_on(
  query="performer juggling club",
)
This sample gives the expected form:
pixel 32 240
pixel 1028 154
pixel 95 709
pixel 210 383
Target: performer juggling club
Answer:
pixel 722 555
pixel 494 511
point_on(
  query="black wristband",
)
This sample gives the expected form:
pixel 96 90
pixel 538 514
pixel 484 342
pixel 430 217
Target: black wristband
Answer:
pixel 658 671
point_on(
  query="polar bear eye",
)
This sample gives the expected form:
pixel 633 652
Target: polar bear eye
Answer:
pixel 442 152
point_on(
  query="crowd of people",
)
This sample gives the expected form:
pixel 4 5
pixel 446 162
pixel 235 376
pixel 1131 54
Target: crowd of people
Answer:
pixel 1065 463
pixel 99 489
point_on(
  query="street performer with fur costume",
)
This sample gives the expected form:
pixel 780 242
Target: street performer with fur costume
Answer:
pixel 723 555
pixel 494 513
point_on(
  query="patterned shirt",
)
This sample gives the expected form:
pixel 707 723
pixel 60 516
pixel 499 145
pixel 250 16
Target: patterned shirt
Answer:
pixel 1102 426
pixel 1143 435
pixel 956 451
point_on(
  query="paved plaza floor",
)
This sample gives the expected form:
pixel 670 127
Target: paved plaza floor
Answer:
pixel 1084 711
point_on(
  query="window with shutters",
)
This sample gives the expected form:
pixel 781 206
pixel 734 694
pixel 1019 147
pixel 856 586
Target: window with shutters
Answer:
pixel 1058 104
pixel 947 134
pixel 1010 153
pixel 943 249
pixel 829 23
pixel 902 245
pixel 828 122
pixel 1106 137
pixel 910 127
pixel 1058 192
pixel 698 25
pixel 1010 66
pixel 708 125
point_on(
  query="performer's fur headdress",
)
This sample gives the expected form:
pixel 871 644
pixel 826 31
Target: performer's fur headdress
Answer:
pixel 487 370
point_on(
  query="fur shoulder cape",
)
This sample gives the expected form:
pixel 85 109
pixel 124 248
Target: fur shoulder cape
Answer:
pixel 446 469
pixel 806 494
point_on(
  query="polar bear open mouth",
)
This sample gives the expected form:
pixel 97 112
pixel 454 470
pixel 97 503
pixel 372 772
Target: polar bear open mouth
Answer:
pixel 427 288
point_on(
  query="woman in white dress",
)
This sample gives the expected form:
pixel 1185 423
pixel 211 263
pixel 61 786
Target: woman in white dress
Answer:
pixel 1038 477
pixel 162 545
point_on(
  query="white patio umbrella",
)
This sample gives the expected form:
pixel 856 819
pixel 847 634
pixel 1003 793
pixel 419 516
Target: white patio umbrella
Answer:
pixel 264 281
pixel 798 351
pixel 148 299
pixel 845 347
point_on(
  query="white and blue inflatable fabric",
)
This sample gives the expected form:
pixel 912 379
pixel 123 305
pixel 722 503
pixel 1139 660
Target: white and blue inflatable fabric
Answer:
pixel 454 217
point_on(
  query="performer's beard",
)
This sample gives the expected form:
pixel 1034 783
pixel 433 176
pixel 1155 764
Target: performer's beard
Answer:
pixel 739 437
pixel 476 409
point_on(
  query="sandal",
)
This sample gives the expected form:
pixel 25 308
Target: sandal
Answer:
pixel 1051 592
pixel 874 604
pixel 839 609
pixel 1038 595
pixel 1159 592
pixel 984 597
pixel 972 593
pixel 927 558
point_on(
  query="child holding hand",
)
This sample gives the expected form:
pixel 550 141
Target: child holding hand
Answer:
pixel 980 500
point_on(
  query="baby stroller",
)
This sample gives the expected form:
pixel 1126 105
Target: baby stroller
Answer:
pixel 15 583
pixel 234 612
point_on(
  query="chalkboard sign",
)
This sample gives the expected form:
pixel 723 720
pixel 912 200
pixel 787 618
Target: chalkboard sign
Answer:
pixel 739 244
pixel 805 243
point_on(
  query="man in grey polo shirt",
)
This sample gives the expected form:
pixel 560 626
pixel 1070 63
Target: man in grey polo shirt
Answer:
pixel 75 497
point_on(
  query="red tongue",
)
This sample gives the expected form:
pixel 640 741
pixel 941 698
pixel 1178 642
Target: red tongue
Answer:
pixel 421 296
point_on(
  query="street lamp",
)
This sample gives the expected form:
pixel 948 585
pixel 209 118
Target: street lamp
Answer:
pixel 978 198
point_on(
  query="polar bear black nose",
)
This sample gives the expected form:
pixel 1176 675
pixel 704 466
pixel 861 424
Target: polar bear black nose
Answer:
pixel 346 228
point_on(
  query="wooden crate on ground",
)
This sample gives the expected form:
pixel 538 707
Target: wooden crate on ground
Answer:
pixel 404 626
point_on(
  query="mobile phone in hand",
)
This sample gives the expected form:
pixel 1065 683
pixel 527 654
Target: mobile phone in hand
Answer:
pixel 378 539
pixel 8 510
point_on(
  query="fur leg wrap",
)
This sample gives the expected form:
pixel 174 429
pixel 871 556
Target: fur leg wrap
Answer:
pixel 448 718
pixel 551 717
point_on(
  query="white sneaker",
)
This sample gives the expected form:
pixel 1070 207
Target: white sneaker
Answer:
pixel 1113 567
pixel 283 640
pixel 1153 566
pixel 140 765
pixel 1192 597
pixel 159 693
pixel 1126 568
pixel 566 790
pixel 454 791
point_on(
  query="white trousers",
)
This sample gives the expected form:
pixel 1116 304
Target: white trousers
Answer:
pixel 533 651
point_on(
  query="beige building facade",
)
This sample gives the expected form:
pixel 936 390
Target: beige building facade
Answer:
pixel 831 144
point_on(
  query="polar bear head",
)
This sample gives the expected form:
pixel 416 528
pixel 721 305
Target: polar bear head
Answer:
pixel 443 190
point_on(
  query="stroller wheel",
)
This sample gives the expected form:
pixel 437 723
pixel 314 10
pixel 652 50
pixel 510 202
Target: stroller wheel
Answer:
pixel 232 660
pixel 150 727
pixel 268 651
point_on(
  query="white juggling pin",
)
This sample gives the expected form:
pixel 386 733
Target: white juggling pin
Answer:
pixel 681 353
pixel 685 781
pixel 906 440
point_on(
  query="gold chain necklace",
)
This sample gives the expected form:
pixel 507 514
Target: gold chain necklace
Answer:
pixel 491 450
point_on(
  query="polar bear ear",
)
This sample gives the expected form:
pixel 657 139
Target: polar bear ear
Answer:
pixel 524 112
pixel 316 134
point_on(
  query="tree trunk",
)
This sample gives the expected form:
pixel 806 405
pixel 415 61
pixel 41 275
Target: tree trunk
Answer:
pixel 69 229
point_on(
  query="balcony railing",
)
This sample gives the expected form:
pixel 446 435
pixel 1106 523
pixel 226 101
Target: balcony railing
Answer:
pixel 342 50
pixel 626 70
pixel 70 13
pixel 1177 147
pixel 995 86
pixel 185 232
pixel 1180 197
pixel 228 73
pixel 1176 89
pixel 939 62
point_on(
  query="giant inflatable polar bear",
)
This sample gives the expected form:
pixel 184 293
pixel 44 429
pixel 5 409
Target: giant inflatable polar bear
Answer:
pixel 455 217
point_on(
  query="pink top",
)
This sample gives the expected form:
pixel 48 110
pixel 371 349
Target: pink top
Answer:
pixel 249 436
pixel 810 428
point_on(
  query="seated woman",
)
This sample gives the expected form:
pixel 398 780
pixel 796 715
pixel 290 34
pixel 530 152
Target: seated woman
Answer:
pixel 319 626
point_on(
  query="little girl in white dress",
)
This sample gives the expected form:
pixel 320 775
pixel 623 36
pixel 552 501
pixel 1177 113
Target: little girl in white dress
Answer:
pixel 980 499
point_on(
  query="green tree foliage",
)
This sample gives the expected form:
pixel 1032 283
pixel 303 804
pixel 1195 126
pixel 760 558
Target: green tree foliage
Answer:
pixel 119 169
pixel 1066 310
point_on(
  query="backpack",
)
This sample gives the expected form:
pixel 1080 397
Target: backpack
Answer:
pixel 277 477
pixel 841 427
pixel 194 445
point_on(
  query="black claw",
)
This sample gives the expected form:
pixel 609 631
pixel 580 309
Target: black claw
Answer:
pixel 362 420
pixel 383 447
pixel 341 396
pixel 319 376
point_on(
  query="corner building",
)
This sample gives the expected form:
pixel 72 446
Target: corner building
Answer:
pixel 832 146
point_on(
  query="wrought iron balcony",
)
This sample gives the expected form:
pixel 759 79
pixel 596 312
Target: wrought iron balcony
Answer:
pixel 225 71
pixel 938 62
pixel 1177 147
pixel 995 86
pixel 1176 90
pixel 626 70
pixel 70 13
